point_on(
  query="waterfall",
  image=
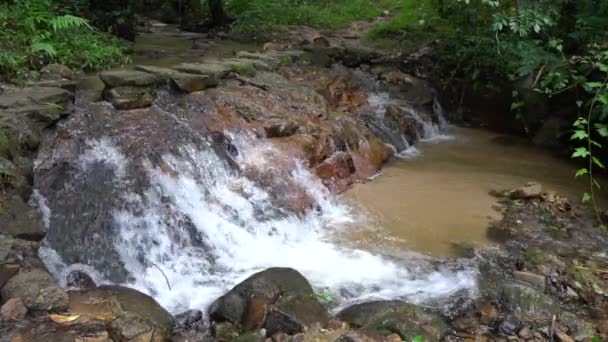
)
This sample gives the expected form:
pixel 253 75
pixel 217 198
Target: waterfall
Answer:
pixel 202 226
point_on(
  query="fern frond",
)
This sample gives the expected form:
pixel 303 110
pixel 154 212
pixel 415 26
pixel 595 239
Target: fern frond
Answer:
pixel 67 21
pixel 47 48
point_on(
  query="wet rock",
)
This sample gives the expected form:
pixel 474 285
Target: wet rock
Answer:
pixel 525 333
pixel 527 304
pixel 225 331
pixel 488 313
pixel 127 78
pixel 38 291
pixel 13 310
pixel 190 326
pixel 507 327
pixel 56 72
pixel 21 220
pixel 529 191
pixel 188 318
pixel 387 317
pixel 355 56
pixel 279 299
pixel 536 280
pixel 126 98
pixel 132 313
pixel 79 280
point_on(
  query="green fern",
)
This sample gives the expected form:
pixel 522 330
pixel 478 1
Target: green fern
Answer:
pixel 44 47
pixel 67 21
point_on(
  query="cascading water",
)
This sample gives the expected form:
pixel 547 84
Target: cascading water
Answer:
pixel 147 199
pixel 239 232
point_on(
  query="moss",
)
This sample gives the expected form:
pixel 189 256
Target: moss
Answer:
pixel 7 143
pixel 535 256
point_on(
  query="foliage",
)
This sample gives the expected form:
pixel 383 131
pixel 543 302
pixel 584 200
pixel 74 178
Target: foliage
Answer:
pixel 327 298
pixel 33 34
pixel 543 50
pixel 263 15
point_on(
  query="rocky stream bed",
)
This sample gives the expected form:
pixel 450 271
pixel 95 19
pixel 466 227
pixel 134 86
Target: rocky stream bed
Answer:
pixel 152 184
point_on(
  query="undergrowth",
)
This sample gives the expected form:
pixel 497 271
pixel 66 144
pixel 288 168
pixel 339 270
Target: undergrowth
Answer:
pixel 33 35
pixel 263 15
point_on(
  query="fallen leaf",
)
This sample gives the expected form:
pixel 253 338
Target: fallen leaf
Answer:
pixel 62 319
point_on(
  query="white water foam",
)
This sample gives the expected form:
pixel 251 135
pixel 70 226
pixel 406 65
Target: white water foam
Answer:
pixel 223 208
pixel 432 132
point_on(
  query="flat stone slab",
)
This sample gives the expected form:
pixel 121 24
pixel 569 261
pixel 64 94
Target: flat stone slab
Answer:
pixel 164 73
pixel 185 82
pixel 216 70
pixel 20 97
pixel 189 83
pixel 122 78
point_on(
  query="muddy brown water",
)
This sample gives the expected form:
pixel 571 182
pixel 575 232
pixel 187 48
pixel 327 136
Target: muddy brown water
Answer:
pixel 441 198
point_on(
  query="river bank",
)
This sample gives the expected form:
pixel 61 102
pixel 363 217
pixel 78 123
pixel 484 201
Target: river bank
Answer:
pixel 195 178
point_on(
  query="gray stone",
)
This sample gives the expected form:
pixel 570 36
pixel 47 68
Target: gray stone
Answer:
pixel 123 78
pixel 21 220
pixel 37 290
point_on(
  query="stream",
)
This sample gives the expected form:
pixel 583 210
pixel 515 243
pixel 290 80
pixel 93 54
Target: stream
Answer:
pixel 155 205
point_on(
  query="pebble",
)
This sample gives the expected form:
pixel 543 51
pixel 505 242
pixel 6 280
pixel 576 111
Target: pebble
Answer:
pixel 525 333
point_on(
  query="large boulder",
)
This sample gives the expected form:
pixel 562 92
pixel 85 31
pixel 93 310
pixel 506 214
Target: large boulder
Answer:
pixel 132 315
pixel 385 318
pixel 278 299
pixel 21 220
pixel 37 289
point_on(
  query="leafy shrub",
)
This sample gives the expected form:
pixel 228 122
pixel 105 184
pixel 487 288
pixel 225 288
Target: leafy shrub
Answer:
pixel 262 15
pixel 32 34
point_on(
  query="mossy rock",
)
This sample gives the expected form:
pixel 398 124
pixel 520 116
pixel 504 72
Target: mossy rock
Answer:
pixel 385 318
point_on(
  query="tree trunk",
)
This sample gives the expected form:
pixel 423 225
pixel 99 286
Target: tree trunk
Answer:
pixel 218 14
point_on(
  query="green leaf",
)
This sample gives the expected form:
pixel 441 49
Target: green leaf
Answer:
pixel 602 129
pixel 596 183
pixel 581 172
pixel 580 152
pixel 593 85
pixel 579 135
pixel 586 198
pixel 418 338
pixel 597 162
pixel 603 99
